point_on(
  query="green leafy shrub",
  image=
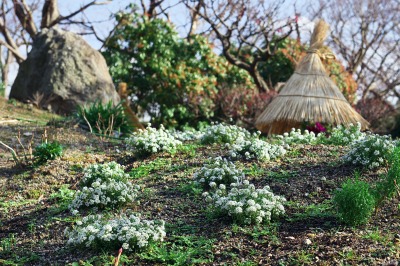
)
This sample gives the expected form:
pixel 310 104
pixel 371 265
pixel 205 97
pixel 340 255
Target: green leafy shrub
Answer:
pixel 48 151
pixel 219 171
pixel 151 140
pixel 103 186
pixel 106 119
pixel 355 202
pixel 371 152
pixel 174 80
pixel 126 230
pixel 246 204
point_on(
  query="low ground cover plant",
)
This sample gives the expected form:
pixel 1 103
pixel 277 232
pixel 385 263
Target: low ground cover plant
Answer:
pixel 296 136
pixel 103 186
pixel 126 230
pixel 48 151
pixel 151 140
pixel 246 204
pixel 218 171
pixel 223 133
pixel 344 135
pixel 253 147
pixel 371 152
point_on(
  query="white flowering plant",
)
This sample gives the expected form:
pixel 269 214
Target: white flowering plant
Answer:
pixel 111 170
pixel 254 148
pixel 371 152
pixel 222 133
pixel 103 186
pixel 126 230
pixel 219 173
pixel 296 136
pixel 246 204
pixel 108 194
pixel 344 135
pixel 187 135
pixel 149 141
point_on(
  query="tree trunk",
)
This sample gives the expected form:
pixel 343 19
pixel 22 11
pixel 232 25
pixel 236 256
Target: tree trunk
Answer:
pixel 50 14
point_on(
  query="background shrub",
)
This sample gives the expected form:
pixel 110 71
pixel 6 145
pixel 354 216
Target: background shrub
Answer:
pixel 172 79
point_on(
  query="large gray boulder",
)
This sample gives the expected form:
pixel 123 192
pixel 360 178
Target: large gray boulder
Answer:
pixel 62 71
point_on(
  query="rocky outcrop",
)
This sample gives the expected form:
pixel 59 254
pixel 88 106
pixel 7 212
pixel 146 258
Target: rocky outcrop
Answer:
pixel 62 71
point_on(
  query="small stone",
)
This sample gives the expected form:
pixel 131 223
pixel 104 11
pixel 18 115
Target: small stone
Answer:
pixel 307 242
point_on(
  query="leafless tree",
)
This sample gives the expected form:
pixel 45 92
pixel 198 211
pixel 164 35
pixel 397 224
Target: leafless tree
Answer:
pixel 248 31
pixel 366 35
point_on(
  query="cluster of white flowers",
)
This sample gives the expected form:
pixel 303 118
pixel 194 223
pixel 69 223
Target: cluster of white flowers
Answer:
pixel 254 148
pixel 126 230
pixel 222 133
pixel 186 135
pixel 246 204
pixel 151 140
pixel 218 173
pixel 372 151
pixel 104 186
pixel 342 135
pixel 111 170
pixel 295 136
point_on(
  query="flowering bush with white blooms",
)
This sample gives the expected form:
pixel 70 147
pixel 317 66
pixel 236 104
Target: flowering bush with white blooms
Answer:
pixel 295 136
pixel 222 133
pixel 342 135
pixel 246 204
pixel 186 135
pixel 128 231
pixel 151 140
pixel 218 173
pixel 111 170
pixel 104 194
pixel 372 151
pixel 103 186
pixel 254 148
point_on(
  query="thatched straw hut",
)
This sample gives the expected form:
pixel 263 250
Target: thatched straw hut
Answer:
pixel 309 95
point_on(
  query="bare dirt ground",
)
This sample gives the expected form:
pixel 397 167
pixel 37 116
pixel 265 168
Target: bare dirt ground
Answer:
pixel 32 219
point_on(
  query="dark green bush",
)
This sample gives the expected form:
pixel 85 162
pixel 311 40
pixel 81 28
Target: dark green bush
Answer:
pixel 355 202
pixel 105 119
pixel 389 184
pixel 48 151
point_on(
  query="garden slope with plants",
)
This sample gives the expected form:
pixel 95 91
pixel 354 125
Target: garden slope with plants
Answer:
pixel 217 196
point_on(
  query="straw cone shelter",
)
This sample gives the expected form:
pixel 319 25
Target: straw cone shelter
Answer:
pixel 310 95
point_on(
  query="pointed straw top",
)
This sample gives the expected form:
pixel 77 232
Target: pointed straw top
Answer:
pixel 309 95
